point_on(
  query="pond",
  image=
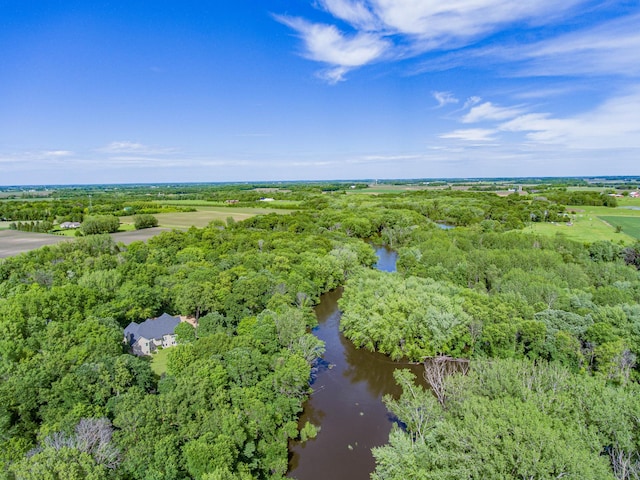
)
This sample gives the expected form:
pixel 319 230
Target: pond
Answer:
pixel 347 400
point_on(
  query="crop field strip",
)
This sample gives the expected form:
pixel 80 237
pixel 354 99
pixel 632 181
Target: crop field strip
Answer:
pixel 629 225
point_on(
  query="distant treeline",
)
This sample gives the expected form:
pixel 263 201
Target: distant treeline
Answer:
pixel 594 199
pixel 74 210
pixel 39 227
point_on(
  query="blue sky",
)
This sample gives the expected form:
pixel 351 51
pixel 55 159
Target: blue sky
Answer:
pixel 168 91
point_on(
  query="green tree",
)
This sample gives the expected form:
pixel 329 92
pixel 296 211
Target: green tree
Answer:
pixel 185 332
pixel 100 224
pixel 144 221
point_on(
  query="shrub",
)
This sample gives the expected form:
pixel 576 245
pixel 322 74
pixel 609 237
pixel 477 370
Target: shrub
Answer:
pixel 144 220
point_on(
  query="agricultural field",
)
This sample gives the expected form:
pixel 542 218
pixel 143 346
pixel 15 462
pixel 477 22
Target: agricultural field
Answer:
pixel 382 188
pixel 206 215
pixel 629 202
pixel 590 224
pixel 221 204
pixel 14 242
pixel 629 225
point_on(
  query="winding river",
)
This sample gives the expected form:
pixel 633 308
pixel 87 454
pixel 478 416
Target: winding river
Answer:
pixel 347 400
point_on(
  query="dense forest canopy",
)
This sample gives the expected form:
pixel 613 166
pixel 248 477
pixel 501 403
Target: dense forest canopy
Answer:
pixel 551 328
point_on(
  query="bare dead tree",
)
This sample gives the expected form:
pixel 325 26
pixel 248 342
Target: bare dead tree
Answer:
pixel 302 299
pixel 626 361
pixel 625 465
pixel 92 436
pixel 59 440
pixel 91 432
pixel 437 369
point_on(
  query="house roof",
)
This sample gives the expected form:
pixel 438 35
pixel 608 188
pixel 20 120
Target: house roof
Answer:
pixel 165 324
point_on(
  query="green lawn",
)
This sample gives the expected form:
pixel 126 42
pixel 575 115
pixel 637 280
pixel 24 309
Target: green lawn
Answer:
pixel 630 225
pixel 588 226
pixel 587 231
pixel 67 232
pixel 159 361
pixel 629 202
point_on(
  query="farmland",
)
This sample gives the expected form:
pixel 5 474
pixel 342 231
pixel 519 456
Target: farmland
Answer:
pixel 629 225
pixel 205 215
pixel 14 242
pixel 589 224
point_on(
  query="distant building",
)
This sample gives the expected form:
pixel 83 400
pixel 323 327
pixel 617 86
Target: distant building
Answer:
pixel 144 338
pixel 267 199
pixel 634 194
pixel 232 201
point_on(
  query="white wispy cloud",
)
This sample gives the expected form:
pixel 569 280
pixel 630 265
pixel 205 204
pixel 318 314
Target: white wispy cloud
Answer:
pixel 328 45
pixel 389 158
pixel 489 111
pixel 545 93
pixel 128 147
pixel 438 23
pixel 471 101
pixel 610 48
pixel 471 135
pixel 444 98
pixel 26 160
pixel 356 13
pixel 395 29
pixel 56 153
pixel 613 124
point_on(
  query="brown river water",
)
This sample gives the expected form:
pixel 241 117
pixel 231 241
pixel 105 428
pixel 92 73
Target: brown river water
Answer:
pixel 346 402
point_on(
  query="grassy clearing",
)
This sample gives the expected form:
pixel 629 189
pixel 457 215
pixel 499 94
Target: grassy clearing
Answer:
pixel 587 189
pixel 4 225
pixel 629 202
pixel 159 361
pixel 587 226
pixel 605 211
pixel 629 225
pixel 379 189
pixel 186 203
pixel 218 205
pixel 67 232
pixel 205 215
pixel 587 231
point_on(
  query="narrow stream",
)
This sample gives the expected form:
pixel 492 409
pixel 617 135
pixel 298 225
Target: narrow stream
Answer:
pixel 347 400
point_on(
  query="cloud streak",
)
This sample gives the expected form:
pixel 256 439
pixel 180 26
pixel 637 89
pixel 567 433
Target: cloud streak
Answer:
pixel 613 124
pixel 395 29
pixel 444 98
pixel 136 148
pixel 471 135
pixel 328 45
pixel 489 111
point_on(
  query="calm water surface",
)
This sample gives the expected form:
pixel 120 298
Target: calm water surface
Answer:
pixel 346 401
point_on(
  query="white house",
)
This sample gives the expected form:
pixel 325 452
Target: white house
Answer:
pixel 68 225
pixel 144 338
